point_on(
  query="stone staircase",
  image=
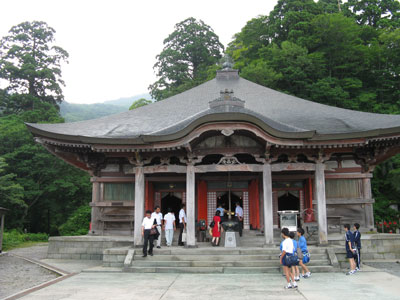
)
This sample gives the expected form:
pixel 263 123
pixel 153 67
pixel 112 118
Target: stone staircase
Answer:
pixel 218 260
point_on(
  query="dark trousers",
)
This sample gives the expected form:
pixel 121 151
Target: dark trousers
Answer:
pixel 240 226
pixel 357 257
pixel 182 227
pixel 148 240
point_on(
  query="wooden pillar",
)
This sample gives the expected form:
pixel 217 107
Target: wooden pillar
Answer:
pixel 202 200
pixel 268 213
pixel 254 204
pixel 149 196
pixel 139 205
pixel 190 207
pixel 95 215
pixel 1 232
pixel 369 212
pixel 321 202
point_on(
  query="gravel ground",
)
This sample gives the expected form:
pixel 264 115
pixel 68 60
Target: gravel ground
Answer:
pixel 390 267
pixel 17 274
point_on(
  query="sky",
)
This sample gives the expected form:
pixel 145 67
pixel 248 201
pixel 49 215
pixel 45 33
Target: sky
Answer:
pixel 113 44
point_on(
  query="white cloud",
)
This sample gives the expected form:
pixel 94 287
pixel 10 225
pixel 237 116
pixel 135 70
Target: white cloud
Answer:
pixel 113 44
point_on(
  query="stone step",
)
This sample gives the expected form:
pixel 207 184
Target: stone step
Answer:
pixel 229 270
pixel 268 263
pixel 227 251
pixel 189 257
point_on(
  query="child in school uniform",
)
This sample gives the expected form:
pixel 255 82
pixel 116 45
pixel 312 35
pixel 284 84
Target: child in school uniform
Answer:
pixel 295 268
pixel 350 249
pixel 302 251
pixel 357 241
pixel 287 250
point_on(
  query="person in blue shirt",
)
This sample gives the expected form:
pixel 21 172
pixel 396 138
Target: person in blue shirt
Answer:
pixel 357 241
pixel 302 252
pixel 295 269
pixel 350 249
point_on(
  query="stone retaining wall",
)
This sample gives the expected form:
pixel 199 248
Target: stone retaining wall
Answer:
pixel 84 247
pixel 374 246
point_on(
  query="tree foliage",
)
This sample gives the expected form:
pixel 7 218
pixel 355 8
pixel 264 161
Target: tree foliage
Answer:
pixel 31 66
pixel 40 190
pixel 140 102
pixel 189 51
pixel 341 54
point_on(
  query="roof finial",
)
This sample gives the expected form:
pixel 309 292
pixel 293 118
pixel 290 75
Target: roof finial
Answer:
pixel 227 62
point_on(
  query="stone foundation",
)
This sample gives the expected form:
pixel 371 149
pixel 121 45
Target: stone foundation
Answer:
pixel 374 246
pixel 84 247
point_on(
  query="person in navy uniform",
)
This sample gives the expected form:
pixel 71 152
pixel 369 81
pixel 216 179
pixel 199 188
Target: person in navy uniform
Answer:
pixel 350 249
pixel 357 241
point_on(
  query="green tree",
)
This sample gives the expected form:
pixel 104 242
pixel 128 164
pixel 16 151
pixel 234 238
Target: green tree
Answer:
pixel 11 196
pixel 189 51
pixel 376 13
pixel 140 102
pixel 31 65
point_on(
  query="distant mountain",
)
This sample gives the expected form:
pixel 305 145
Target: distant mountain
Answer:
pixel 73 112
pixel 127 102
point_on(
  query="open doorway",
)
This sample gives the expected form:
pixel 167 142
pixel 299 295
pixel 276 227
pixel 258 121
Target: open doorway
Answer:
pixel 223 199
pixel 288 200
pixel 171 200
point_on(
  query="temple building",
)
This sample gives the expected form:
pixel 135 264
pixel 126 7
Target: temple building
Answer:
pixel 225 141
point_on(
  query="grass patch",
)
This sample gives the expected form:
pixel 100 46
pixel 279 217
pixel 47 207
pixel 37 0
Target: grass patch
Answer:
pixel 15 239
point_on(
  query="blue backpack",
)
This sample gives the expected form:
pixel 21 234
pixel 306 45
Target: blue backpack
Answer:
pixel 306 257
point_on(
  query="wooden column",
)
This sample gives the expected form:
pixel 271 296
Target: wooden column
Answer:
pixel 268 213
pixel 369 212
pixel 139 205
pixel 190 207
pixel 321 202
pixel 95 216
pixel 202 200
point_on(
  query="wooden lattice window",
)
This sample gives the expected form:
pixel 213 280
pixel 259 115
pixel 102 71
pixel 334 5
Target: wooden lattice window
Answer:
pixel 119 191
pixel 344 188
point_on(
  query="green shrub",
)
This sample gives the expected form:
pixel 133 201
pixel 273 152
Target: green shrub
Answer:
pixel 15 238
pixel 78 223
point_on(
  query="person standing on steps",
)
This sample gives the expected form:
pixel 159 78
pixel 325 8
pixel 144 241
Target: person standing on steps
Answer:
pixel 157 215
pixel 169 226
pixel 147 224
pixel 216 230
pixel 182 224
pixel 239 217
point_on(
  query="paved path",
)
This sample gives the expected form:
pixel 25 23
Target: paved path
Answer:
pixel 95 283
pixel 119 286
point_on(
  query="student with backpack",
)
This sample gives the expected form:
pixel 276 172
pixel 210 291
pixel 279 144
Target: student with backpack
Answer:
pixel 357 241
pixel 304 255
pixel 350 249
pixel 295 268
pixel 288 259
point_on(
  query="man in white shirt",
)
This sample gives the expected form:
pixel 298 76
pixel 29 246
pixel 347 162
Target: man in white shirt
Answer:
pixel 157 215
pixel 239 216
pixel 147 225
pixel 182 224
pixel 169 226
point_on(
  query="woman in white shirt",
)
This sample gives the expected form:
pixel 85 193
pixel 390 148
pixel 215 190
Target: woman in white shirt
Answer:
pixel 287 250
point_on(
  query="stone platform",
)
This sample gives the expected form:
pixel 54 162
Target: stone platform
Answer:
pixel 251 257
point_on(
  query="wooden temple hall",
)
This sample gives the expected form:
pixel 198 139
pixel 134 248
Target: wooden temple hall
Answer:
pixel 228 139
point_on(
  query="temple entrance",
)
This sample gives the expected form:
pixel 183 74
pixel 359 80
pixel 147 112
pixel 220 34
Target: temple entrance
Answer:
pixel 171 200
pixel 223 199
pixel 288 200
